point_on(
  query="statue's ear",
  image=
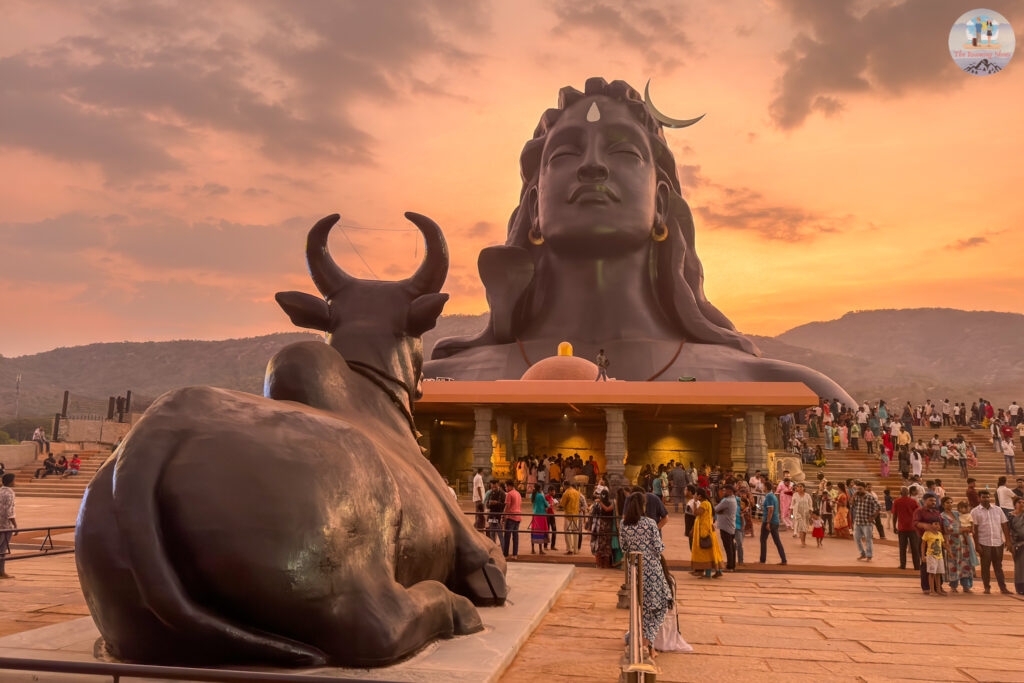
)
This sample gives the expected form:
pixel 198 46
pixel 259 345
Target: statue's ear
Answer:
pixel 305 310
pixel 533 203
pixel 661 200
pixel 423 313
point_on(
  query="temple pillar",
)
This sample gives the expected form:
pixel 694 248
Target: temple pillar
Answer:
pixel 615 447
pixel 520 439
pixel 757 444
pixel 504 451
pixel 738 444
pixel 483 446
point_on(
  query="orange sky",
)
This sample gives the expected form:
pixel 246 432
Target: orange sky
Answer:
pixel 162 163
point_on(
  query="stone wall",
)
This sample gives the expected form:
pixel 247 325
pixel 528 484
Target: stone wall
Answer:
pixel 99 431
pixel 15 456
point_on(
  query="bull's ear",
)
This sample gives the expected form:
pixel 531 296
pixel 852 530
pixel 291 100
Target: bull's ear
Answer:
pixel 423 313
pixel 305 310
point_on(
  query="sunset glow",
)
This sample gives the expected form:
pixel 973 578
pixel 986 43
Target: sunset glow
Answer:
pixel 163 162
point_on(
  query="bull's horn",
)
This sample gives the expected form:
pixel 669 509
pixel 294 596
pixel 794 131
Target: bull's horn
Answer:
pixel 326 274
pixel 434 269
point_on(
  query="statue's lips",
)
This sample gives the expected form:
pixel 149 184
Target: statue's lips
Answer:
pixel 592 194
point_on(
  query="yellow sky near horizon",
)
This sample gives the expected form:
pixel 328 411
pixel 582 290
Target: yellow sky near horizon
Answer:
pixel 162 165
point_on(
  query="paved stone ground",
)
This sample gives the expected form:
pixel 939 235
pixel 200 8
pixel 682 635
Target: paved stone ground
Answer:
pixel 817 620
pixel 795 627
pixel 45 590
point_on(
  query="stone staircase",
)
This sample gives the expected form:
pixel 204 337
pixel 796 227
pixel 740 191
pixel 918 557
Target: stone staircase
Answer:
pixel 851 464
pixel 55 487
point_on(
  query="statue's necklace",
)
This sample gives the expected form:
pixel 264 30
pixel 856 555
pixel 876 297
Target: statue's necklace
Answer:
pixel 659 373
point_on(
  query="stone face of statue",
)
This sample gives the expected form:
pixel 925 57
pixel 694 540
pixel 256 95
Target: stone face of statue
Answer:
pixel 596 191
pixel 600 253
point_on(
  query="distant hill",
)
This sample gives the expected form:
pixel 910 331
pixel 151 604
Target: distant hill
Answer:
pixel 95 371
pixel 965 354
pixel 899 355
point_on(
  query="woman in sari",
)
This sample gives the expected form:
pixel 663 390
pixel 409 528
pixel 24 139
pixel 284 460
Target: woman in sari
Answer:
pixel 828 436
pixel 812 427
pixel 883 459
pixel 641 535
pixel 819 457
pixel 784 491
pixel 959 567
pixel 705 551
pixel 539 522
pixel 601 515
pixel 842 520
pixel 844 436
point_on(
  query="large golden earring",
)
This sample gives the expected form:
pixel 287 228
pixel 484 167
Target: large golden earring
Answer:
pixel 659 233
pixel 535 237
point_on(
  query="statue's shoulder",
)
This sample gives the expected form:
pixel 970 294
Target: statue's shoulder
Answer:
pixel 490 362
pixel 772 370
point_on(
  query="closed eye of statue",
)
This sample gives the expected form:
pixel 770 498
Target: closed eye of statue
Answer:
pixel 626 148
pixel 563 151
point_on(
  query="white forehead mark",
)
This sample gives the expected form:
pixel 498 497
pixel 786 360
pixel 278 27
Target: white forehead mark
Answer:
pixel 593 114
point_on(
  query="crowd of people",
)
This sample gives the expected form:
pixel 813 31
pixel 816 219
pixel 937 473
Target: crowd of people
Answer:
pixel 890 434
pixel 945 540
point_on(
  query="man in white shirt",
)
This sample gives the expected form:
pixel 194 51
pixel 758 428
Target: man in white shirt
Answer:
pixel 478 497
pixel 1014 411
pixel 1008 454
pixel 1004 497
pixel 945 412
pixel 991 534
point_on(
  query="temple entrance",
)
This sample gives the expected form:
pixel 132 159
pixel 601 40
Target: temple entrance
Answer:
pixel 622 425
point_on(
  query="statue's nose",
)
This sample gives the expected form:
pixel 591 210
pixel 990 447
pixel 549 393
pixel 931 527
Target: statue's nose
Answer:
pixel 592 166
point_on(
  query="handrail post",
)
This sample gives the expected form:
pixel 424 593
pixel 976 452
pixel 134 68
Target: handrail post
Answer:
pixel 635 667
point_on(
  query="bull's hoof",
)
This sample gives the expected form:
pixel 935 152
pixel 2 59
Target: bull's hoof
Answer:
pixel 486 586
pixel 465 617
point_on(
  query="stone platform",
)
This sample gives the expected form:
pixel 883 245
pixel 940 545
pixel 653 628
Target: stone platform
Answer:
pixel 481 657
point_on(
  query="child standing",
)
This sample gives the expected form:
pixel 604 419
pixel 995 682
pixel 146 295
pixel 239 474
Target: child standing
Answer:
pixel 933 544
pixel 817 528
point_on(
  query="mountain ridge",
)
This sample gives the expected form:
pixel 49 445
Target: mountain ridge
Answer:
pixel 895 354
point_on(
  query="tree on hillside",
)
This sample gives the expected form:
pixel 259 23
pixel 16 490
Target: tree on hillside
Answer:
pixel 22 428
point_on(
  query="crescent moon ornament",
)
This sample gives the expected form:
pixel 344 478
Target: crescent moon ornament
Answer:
pixel 661 118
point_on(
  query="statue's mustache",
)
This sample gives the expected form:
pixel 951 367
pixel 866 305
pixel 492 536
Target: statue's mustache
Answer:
pixel 595 187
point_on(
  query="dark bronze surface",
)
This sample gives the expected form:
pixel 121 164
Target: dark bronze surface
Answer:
pixel 598 185
pixel 300 528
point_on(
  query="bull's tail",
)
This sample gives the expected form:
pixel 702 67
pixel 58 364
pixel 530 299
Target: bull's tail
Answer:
pixel 140 465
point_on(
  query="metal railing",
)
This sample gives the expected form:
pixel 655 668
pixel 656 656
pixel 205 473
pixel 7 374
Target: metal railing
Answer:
pixel 635 667
pixel 46 546
pixel 167 673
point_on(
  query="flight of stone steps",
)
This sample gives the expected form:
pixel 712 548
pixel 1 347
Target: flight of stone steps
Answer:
pixel 55 487
pixel 851 464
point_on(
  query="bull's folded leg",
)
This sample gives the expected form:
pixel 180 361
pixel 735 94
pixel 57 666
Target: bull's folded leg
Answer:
pixel 397 621
pixel 486 586
pixel 479 567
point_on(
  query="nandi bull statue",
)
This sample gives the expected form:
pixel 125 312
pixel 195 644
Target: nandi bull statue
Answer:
pixel 300 529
